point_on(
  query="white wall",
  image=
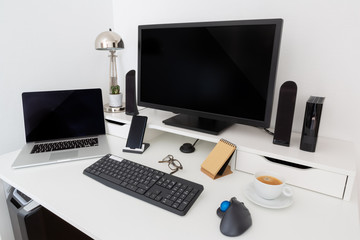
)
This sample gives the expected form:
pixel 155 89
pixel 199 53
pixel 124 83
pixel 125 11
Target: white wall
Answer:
pixel 46 44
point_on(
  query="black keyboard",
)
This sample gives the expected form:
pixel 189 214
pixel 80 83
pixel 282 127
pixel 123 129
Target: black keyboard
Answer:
pixel 62 145
pixel 161 189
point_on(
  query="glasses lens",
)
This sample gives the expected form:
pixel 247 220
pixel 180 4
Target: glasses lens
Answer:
pixel 176 163
pixel 168 158
pixel 172 166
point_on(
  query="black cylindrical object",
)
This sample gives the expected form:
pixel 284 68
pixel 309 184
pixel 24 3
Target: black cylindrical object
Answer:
pixel 311 123
pixel 285 113
pixel 130 94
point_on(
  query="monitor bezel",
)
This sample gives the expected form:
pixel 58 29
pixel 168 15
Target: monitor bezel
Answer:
pixel 278 22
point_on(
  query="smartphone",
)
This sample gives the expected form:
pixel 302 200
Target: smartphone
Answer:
pixel 136 132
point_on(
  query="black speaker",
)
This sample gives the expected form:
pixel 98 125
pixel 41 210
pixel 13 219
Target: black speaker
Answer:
pixel 285 113
pixel 311 123
pixel 130 94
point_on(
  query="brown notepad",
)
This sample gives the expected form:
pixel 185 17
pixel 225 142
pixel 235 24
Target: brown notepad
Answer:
pixel 216 163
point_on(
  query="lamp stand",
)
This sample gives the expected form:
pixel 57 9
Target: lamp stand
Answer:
pixel 115 97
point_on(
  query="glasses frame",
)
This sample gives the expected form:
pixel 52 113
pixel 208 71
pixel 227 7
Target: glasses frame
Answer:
pixel 173 163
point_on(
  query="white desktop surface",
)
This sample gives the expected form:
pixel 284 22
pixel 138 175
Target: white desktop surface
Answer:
pixel 104 213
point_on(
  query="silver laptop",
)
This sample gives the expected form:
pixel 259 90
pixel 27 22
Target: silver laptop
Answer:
pixel 62 126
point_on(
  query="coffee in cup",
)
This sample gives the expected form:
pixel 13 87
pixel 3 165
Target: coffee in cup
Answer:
pixel 269 180
pixel 270 185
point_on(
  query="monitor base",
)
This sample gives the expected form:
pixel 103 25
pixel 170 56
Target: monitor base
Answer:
pixel 199 124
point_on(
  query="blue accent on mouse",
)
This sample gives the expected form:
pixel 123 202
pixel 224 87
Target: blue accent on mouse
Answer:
pixel 235 218
pixel 224 206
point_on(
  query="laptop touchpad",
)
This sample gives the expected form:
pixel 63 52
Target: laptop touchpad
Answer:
pixel 64 155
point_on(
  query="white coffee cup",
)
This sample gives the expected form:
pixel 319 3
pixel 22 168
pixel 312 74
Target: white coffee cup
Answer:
pixel 270 185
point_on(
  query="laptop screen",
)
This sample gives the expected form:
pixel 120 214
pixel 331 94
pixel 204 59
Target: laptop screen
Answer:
pixel 63 114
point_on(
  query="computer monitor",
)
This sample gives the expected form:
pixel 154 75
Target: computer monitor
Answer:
pixel 213 74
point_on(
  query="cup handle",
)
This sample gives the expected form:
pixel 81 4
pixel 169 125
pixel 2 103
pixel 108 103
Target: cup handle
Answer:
pixel 287 191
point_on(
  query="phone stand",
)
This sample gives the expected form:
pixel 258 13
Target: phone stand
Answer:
pixel 137 150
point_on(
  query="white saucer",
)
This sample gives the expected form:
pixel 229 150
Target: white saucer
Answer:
pixel 281 202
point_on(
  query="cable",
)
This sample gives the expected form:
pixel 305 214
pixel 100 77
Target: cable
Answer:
pixel 268 131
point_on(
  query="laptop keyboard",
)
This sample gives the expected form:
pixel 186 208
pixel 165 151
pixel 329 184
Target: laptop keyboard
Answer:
pixel 63 145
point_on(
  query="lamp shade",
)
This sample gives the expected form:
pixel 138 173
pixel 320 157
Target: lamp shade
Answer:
pixel 109 41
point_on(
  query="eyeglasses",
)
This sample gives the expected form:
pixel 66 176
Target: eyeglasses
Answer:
pixel 173 163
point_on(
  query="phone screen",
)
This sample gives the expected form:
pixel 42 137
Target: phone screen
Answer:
pixel 136 132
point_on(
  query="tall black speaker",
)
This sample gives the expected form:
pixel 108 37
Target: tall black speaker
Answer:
pixel 311 123
pixel 285 113
pixel 130 98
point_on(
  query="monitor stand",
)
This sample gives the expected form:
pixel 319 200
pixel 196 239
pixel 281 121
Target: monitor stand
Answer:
pixel 200 124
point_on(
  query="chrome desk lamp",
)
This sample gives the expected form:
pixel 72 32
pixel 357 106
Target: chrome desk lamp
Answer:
pixel 111 41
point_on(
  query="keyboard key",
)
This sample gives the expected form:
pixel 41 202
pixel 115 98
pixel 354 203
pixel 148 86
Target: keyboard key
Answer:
pixel 143 186
pixel 183 205
pixel 110 178
pixel 140 191
pixel 167 201
pixel 131 187
pixel 158 198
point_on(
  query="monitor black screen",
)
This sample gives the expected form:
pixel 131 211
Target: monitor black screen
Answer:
pixel 214 70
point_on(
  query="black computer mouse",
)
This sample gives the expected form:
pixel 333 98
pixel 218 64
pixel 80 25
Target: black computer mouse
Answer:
pixel 187 148
pixel 236 218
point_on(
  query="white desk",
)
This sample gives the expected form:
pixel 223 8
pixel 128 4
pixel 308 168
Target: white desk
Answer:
pixel 104 213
